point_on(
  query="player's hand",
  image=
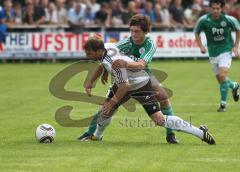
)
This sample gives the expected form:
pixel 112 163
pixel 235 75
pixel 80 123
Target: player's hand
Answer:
pixel 235 51
pixel 119 64
pixel 104 78
pixel 88 89
pixel 203 50
pixel 108 107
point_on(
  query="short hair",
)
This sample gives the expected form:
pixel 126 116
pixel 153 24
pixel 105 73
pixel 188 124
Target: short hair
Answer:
pixel 222 2
pixel 142 21
pixel 94 43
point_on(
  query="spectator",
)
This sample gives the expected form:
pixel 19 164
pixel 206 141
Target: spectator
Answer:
pixel 148 10
pixel 45 4
pixel 138 6
pixel 160 21
pixel 3 29
pixel 17 8
pixel 103 16
pixel 127 15
pixel 61 12
pixel 177 12
pixel 95 7
pixel 238 12
pixel 205 8
pixel 8 13
pixel 28 17
pixel 76 15
pixel 88 16
pixel 116 12
pixel 39 16
pixel 51 14
pixel 70 4
pixel 192 14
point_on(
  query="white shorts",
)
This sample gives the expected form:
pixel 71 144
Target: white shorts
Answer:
pixel 224 60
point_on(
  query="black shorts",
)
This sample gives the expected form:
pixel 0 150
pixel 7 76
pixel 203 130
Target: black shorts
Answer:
pixel 144 95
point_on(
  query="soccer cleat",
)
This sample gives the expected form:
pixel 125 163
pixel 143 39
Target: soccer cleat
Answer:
pixel 222 108
pixel 84 137
pixel 235 92
pixel 207 137
pixel 94 138
pixel 171 138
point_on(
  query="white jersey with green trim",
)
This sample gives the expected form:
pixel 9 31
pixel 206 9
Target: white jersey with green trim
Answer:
pixel 136 78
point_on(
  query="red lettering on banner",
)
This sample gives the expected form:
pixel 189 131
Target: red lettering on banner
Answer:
pixel 182 42
pixel 1 47
pixel 77 43
pixel 160 42
pixel 34 47
pixel 59 42
pixel 48 41
pixel 85 37
pixel 171 43
pixel 69 37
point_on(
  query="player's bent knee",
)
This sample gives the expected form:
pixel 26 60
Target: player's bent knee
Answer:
pixel 165 103
pixel 158 118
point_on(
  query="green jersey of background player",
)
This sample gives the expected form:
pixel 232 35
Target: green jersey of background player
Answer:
pixel 218 27
pixel 141 49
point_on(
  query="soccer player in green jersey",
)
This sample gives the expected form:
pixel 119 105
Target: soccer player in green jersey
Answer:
pixel 218 27
pixel 141 49
pixel 133 83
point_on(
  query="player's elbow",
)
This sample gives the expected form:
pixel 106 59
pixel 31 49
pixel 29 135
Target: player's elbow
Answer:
pixel 124 86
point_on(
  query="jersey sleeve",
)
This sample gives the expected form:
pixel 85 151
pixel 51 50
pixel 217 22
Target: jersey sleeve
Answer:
pixel 120 75
pixel 123 44
pixel 150 49
pixel 234 23
pixel 199 25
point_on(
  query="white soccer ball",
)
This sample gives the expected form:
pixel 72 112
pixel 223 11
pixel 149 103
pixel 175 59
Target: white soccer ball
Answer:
pixel 45 133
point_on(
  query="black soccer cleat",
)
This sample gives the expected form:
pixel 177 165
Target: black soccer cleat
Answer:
pixel 171 138
pixel 207 137
pixel 222 108
pixel 235 92
pixel 85 137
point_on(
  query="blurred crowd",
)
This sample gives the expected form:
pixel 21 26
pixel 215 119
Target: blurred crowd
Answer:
pixel 163 14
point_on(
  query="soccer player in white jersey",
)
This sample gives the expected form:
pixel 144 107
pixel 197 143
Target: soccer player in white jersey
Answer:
pixel 218 28
pixel 136 84
pixel 141 49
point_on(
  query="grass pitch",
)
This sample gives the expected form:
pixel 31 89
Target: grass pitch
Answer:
pixel 130 143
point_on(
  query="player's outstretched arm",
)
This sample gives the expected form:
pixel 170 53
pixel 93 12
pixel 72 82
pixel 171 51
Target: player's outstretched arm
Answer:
pixel 97 73
pixel 236 45
pixel 199 42
pixel 120 93
pixel 131 65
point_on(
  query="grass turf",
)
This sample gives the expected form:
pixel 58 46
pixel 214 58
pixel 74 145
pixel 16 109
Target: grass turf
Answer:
pixel 129 144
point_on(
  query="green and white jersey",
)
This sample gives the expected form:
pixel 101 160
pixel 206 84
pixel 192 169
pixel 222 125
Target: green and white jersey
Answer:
pixel 218 32
pixel 137 52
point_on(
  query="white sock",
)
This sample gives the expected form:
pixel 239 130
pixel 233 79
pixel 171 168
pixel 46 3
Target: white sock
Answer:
pixel 177 123
pixel 101 126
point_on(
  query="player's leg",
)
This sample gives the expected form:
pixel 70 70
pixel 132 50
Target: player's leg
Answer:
pixel 104 119
pixel 176 123
pixel 93 124
pixel 224 64
pixel 166 108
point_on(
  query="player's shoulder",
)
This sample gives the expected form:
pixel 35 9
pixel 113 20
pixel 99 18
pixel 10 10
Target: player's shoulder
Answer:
pixel 229 18
pixel 204 17
pixel 123 41
pixel 150 42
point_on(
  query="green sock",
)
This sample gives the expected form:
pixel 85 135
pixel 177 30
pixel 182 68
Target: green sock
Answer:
pixel 230 83
pixel 168 111
pixel 224 90
pixel 93 124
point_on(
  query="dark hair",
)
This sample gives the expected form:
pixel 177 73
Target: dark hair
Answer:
pixel 222 2
pixel 94 43
pixel 142 21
